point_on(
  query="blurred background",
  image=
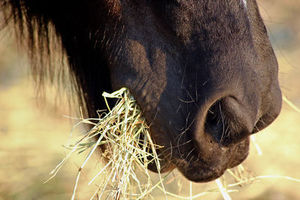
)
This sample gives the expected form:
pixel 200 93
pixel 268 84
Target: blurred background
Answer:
pixel 33 129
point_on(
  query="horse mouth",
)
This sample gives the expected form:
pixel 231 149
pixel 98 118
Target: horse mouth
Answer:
pixel 204 164
pixel 203 167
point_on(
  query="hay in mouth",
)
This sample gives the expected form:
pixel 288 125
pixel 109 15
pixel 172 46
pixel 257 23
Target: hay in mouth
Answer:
pixel 129 150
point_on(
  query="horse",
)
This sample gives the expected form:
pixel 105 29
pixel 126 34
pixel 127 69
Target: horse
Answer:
pixel 202 71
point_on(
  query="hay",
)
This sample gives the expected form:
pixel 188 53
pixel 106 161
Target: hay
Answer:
pixel 129 151
pixel 129 148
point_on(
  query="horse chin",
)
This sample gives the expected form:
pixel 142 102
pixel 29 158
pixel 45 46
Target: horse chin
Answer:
pixel 205 168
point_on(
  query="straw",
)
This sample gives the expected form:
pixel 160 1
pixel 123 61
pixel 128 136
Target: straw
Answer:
pixel 128 152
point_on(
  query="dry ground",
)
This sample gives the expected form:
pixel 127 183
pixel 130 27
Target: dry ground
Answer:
pixel 32 134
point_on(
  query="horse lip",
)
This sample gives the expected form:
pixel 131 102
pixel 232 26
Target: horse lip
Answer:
pixel 241 153
pixel 200 159
pixel 204 169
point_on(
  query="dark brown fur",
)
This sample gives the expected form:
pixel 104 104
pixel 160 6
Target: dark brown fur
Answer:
pixel 203 71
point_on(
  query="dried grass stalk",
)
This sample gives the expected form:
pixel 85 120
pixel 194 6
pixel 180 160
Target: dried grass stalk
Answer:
pixel 129 151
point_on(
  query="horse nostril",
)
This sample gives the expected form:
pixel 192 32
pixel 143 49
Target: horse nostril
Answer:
pixel 215 122
pixel 228 122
